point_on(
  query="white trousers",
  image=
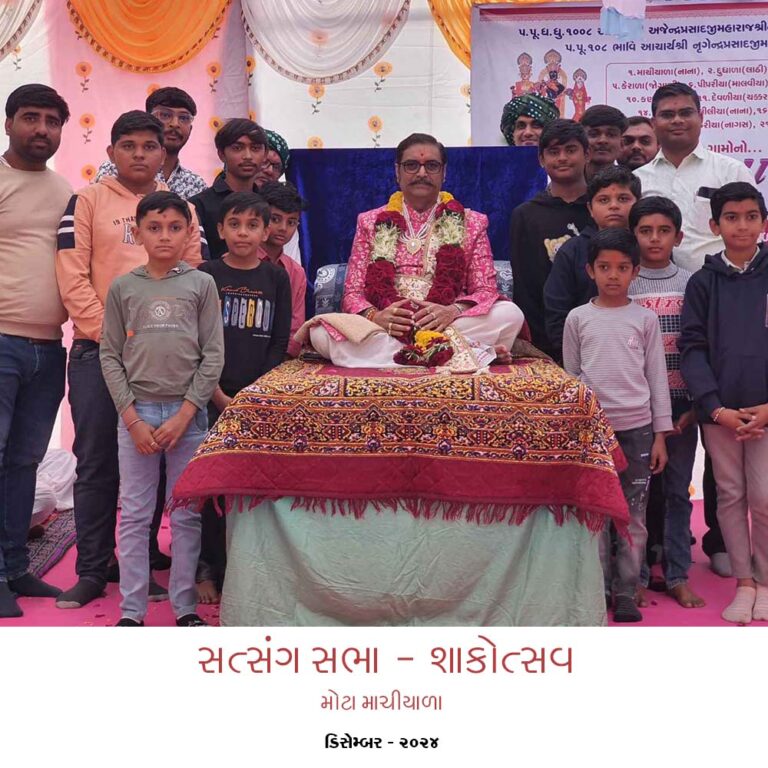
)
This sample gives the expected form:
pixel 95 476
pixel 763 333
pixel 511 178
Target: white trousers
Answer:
pixel 500 326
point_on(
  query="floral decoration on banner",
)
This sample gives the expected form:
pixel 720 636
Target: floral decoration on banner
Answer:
pixel 213 70
pixel 316 91
pixel 466 92
pixel 314 142
pixel 16 58
pixel 152 87
pixel 429 348
pixel 252 115
pixel 375 124
pixel 215 123
pixel 88 172
pixel 83 70
pixel 382 71
pixel 87 121
pixel 250 67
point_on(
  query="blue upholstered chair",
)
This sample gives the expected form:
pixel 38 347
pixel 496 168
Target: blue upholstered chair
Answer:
pixel 329 285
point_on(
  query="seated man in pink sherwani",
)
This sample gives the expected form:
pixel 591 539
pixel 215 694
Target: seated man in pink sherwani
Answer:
pixel 420 263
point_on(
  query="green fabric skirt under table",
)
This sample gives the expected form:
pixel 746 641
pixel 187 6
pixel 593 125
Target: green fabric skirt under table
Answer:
pixel 292 567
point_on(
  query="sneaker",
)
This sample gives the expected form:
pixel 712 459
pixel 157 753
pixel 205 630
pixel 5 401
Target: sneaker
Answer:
pixel 190 620
pixel 720 564
pixel 128 622
pixel 81 594
pixel 625 610
pixel 157 593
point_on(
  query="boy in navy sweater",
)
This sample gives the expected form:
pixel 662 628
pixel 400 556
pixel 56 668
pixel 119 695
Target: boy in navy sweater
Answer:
pixel 724 360
pixel 610 194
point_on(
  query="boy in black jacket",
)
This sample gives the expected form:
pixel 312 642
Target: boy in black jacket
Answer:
pixel 611 193
pixel 724 360
pixel 541 225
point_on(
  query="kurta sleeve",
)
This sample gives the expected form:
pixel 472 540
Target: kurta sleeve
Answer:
pixel 481 288
pixel 354 300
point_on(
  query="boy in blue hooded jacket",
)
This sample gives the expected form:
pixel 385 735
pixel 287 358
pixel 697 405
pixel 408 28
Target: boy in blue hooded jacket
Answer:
pixel 724 359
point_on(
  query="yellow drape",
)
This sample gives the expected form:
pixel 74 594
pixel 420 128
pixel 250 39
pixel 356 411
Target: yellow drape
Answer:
pixel 453 19
pixel 147 35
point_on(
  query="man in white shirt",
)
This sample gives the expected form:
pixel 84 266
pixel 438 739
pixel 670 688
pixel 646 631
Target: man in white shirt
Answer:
pixel 685 171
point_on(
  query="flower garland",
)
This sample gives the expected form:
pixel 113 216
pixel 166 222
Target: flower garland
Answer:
pixel 429 348
pixel 450 259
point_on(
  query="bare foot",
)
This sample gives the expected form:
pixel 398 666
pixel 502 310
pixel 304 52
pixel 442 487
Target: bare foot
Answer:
pixel 503 357
pixel 686 596
pixel 641 598
pixel 207 592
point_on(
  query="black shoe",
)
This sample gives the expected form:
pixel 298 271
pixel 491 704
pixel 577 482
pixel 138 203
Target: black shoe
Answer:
pixel 190 620
pixel 79 595
pixel 157 593
pixel 28 585
pixel 159 561
pixel 625 610
pixel 127 622
pixel 9 608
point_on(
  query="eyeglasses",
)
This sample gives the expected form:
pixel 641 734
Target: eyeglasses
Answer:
pixel 670 114
pixel 274 167
pixel 413 166
pixel 166 116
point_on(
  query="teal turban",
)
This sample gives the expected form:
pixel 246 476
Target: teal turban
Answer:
pixel 528 105
pixel 280 145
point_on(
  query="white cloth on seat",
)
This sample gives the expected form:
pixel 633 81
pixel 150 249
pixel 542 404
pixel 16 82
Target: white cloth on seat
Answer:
pixel 500 326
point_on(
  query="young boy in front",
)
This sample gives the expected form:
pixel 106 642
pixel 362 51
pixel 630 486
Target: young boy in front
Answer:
pixel 162 351
pixel 255 300
pixel 610 194
pixel 614 346
pixel 724 360
pixel 660 287
pixel 286 206
pixel 95 245
pixel 540 226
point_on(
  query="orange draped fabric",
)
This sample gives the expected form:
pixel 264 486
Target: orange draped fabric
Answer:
pixel 453 19
pixel 147 35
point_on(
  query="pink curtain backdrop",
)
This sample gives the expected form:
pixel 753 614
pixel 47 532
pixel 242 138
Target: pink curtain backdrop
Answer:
pixel 97 93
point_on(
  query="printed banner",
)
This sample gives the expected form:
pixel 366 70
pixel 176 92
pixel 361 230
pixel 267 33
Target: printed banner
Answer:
pixel 720 49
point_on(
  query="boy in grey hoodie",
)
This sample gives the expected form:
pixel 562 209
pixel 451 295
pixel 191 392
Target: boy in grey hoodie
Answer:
pixel 162 351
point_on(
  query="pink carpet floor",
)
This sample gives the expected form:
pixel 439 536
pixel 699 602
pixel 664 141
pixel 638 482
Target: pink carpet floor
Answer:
pixel 663 611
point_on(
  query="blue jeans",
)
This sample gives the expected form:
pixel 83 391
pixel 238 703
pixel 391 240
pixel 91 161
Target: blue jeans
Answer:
pixel 676 480
pixel 623 574
pixel 31 388
pixel 139 477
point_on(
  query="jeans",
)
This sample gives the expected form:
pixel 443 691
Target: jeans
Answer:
pixel 98 476
pixel 140 476
pixel 31 388
pixel 677 507
pixel 622 576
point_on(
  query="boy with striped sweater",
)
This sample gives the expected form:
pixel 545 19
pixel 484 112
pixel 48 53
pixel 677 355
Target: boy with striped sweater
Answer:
pixel 660 287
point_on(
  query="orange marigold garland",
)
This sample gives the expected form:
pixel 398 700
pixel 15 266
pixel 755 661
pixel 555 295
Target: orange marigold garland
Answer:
pixel 429 349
